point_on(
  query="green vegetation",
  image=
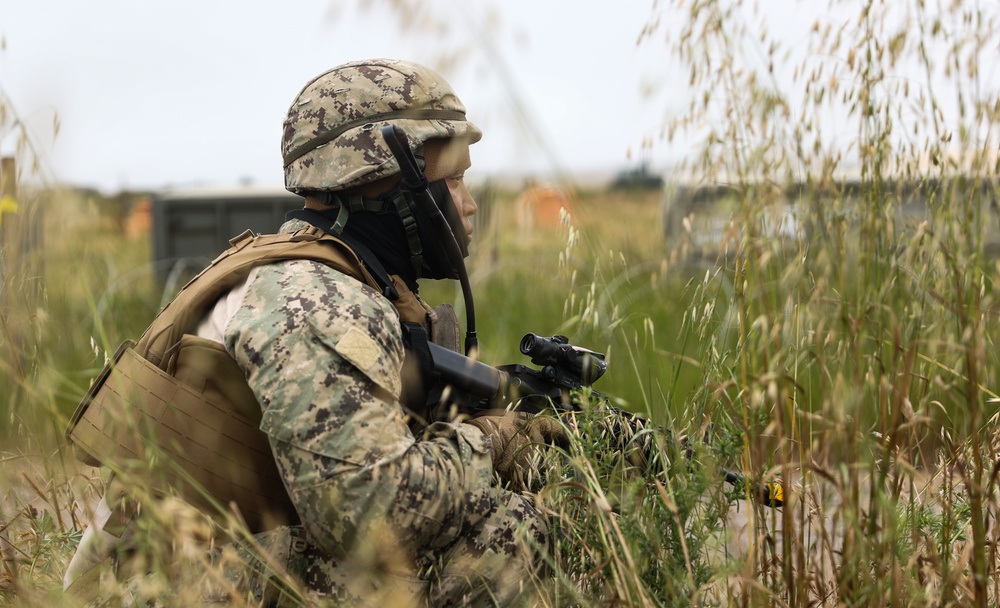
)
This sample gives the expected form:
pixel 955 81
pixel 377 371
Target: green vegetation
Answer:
pixel 853 356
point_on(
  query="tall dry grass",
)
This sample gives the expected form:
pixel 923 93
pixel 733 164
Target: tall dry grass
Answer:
pixel 851 353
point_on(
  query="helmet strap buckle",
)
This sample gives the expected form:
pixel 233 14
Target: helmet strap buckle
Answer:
pixel 343 213
pixel 402 201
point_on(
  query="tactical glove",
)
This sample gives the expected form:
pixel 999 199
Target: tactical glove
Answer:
pixel 515 437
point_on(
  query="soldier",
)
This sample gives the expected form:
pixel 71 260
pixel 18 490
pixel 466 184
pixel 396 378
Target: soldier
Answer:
pixel 395 503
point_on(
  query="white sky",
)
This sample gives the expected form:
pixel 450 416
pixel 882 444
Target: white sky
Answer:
pixel 160 93
pixel 192 92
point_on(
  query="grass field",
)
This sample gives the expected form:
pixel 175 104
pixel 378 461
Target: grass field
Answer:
pixel 854 356
pixel 858 396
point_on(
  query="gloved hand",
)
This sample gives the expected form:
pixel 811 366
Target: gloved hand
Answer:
pixel 516 436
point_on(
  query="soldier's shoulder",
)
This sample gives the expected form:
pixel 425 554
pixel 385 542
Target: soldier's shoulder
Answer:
pixel 312 282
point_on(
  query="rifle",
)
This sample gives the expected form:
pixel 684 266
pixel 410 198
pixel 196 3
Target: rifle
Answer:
pixel 565 369
pixel 566 373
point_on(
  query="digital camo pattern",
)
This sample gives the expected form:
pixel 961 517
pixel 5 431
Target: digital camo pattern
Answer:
pixel 348 95
pixel 414 514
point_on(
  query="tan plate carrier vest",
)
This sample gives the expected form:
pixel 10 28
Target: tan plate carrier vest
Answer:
pixel 173 412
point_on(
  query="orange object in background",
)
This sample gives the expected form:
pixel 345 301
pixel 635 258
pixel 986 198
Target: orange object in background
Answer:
pixel 540 204
pixel 139 222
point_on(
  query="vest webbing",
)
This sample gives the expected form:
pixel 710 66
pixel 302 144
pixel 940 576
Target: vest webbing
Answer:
pixel 258 491
pixel 138 401
pixel 233 267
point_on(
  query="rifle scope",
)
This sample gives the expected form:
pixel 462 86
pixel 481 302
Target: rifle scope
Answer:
pixel 556 351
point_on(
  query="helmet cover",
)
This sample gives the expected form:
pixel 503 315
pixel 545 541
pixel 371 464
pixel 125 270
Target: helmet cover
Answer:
pixel 332 134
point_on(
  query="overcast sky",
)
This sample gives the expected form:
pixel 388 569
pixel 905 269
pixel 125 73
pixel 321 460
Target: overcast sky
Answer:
pixel 185 93
pixel 193 92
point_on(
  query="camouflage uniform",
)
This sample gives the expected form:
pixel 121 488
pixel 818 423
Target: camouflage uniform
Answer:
pixel 418 517
pixel 388 517
pixel 382 510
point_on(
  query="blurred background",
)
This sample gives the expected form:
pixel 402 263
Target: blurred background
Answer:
pixel 778 219
pixel 181 94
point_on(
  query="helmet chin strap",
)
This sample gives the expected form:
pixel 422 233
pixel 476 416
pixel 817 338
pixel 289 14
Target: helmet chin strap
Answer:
pixel 414 183
pixel 402 204
pixel 442 196
pixel 330 199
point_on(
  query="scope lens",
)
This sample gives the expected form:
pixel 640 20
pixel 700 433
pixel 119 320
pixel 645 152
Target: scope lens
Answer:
pixel 529 343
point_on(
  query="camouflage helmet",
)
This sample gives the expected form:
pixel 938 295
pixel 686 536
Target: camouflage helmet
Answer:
pixel 332 135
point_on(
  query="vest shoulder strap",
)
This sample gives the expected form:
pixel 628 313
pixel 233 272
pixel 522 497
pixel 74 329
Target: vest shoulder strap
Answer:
pixel 233 266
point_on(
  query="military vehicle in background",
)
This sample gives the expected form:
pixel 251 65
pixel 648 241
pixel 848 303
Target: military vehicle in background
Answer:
pixel 191 228
pixel 705 222
pixel 638 178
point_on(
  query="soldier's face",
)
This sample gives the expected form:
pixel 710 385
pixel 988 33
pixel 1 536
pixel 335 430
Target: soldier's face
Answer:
pixel 463 200
pixel 449 160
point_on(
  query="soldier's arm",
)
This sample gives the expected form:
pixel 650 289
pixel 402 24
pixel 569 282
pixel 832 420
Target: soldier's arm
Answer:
pixel 323 354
